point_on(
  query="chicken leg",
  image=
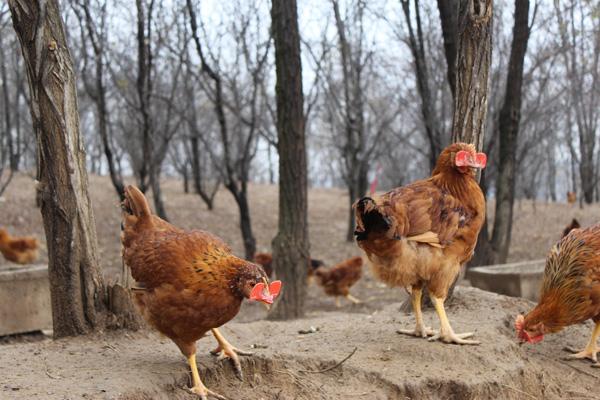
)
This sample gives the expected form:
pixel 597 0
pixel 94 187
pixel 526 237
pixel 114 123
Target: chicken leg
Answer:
pixel 420 330
pixel 446 333
pixel 353 299
pixel 226 350
pixel 199 387
pixel 590 351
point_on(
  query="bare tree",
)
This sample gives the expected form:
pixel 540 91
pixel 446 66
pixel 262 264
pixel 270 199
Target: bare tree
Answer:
pixel 95 27
pixel 416 43
pixel 358 142
pixel 291 245
pixel 77 289
pixel 239 138
pixel 580 42
pixel 508 128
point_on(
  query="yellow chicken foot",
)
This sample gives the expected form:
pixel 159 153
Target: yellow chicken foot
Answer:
pixel 353 299
pixel 226 350
pixel 591 349
pixel 420 330
pixel 199 389
pixel 337 302
pixel 446 333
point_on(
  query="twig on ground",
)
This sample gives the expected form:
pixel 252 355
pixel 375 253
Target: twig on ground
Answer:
pixel 320 371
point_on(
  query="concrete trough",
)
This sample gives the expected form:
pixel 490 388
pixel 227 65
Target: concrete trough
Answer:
pixel 24 300
pixel 522 279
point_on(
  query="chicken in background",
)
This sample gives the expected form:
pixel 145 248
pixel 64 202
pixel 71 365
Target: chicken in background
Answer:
pixel 421 234
pixel 573 225
pixel 188 282
pixel 266 261
pixel 570 291
pixel 337 280
pixel 21 250
pixel 571 197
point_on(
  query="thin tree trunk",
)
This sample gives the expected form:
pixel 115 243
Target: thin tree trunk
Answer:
pixel 428 112
pixel 241 198
pixel 449 19
pixel 12 152
pixel 291 245
pixel 508 126
pixel 76 286
pixel 159 204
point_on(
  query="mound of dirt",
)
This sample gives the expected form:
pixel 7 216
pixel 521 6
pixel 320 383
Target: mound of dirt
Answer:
pixel 288 365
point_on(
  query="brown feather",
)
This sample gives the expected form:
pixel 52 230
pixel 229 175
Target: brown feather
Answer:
pixel 423 232
pixel 570 292
pixel 188 282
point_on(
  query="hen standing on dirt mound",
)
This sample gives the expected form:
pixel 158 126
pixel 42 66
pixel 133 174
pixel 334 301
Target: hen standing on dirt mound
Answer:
pixel 188 282
pixel 421 234
pixel 570 291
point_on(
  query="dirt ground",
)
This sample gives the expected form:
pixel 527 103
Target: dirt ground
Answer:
pixel 288 365
pixel 141 365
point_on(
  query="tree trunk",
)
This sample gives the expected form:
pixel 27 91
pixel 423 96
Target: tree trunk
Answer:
pixel 12 151
pixel 144 90
pixel 186 178
pixel 291 245
pixel 474 57
pixel 472 66
pixel 508 126
pixel 197 174
pixel 449 19
pixel 76 286
pixel 241 198
pixel 159 204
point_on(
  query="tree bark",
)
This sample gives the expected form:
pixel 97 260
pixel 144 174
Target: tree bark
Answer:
pixel 291 245
pixel 472 69
pixel 76 286
pixel 474 59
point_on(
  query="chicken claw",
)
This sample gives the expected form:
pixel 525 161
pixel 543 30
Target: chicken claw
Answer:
pixel 451 337
pixel 226 350
pixel 446 333
pixel 199 388
pixel 419 331
pixel 589 353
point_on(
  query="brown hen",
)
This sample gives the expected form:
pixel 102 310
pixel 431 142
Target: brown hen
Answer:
pixel 337 280
pixel 421 234
pixel 188 282
pixel 22 250
pixel 570 291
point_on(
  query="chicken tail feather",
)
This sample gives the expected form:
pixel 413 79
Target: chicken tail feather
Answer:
pixel 369 219
pixel 135 202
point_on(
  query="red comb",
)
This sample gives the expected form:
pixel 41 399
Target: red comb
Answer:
pixel 275 288
pixel 462 158
pixel 259 293
pixel 481 160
